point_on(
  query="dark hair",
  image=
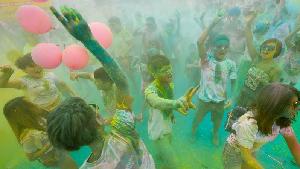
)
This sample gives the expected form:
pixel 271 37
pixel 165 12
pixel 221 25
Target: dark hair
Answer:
pixel 24 61
pixel 272 101
pixel 157 62
pixel 277 43
pixel 22 114
pixel 72 125
pixel 101 74
pixel 218 38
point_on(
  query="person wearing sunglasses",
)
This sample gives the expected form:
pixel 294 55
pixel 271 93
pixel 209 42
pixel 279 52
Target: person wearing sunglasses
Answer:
pixel 264 69
pixel 74 123
pixel 274 110
pixel 216 71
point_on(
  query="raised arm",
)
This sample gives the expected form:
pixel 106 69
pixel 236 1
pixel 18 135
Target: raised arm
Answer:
pixel 201 41
pixel 160 103
pixel 249 37
pixel 178 23
pixel 200 20
pixel 5 82
pixel 289 38
pixel 79 29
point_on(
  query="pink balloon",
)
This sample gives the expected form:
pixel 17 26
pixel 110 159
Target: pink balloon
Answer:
pixel 40 0
pixel 34 19
pixel 101 33
pixel 75 57
pixel 47 55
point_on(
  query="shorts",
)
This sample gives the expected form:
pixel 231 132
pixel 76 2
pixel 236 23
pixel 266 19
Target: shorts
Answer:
pixel 216 109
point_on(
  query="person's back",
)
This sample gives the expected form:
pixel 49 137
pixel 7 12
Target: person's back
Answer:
pixel 28 123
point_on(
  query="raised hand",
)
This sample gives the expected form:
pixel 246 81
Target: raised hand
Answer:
pixel 177 15
pixel 79 29
pixel 73 76
pixel 74 23
pixel 187 100
pixel 6 69
pixel 250 18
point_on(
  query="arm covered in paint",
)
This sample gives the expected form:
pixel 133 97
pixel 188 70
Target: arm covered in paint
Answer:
pixel 79 29
pixel 249 38
pixel 202 39
pixel 109 65
pixel 159 103
pixel 181 105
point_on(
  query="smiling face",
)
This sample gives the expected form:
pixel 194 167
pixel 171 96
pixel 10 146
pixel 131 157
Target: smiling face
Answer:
pixel 221 45
pixel 268 50
pixel 220 51
pixel 164 75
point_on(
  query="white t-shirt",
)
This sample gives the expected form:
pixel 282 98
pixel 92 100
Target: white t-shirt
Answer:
pixel 42 92
pixel 210 90
pixel 247 133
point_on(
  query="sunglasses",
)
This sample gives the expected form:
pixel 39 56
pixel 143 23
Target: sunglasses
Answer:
pixel 94 106
pixel 267 48
pixel 221 47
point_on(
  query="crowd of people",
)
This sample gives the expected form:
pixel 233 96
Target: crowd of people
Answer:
pixel 239 63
